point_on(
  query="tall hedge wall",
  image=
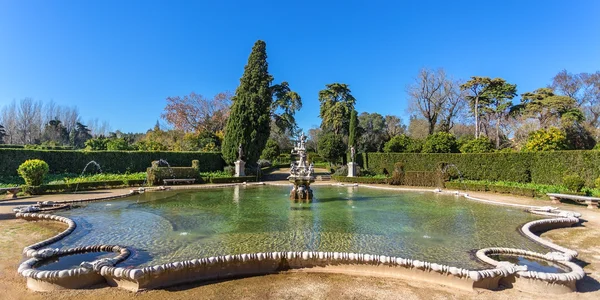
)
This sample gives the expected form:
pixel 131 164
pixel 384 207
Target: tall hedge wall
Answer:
pixel 538 167
pixel 110 161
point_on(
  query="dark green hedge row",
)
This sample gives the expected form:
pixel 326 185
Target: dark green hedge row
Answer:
pixel 70 187
pixel 9 146
pixel 538 167
pixel 156 175
pixel 480 187
pixel 233 179
pixel 370 180
pixel 416 178
pixel 110 161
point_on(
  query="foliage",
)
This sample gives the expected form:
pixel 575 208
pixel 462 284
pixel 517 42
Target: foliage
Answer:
pixel 337 103
pixel 249 120
pixel 497 104
pixel 524 167
pixel 440 142
pixel 195 113
pixel 116 144
pixel 96 144
pixel 365 180
pixel 271 151
pixel 479 145
pixel 545 106
pixel 372 132
pixel 80 135
pixel 33 171
pixel 546 140
pixel 110 161
pixel 331 147
pixel 399 143
pixel 479 89
pixel 597 183
pixel 573 183
pixel 284 106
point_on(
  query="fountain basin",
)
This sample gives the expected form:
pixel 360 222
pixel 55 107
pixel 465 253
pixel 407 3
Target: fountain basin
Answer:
pixel 243 231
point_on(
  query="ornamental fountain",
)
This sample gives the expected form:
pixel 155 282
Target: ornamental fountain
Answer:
pixel 301 175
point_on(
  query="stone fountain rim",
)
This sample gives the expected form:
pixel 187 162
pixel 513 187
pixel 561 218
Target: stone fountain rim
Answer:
pixel 475 275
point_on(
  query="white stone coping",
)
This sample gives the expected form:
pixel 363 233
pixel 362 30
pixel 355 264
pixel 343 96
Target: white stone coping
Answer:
pixel 575 274
pixel 501 269
pixel 26 268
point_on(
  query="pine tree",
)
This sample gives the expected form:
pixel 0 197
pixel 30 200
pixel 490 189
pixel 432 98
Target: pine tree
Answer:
pixel 249 119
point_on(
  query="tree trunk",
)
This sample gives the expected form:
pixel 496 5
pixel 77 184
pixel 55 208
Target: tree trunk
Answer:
pixel 477 117
pixel 497 131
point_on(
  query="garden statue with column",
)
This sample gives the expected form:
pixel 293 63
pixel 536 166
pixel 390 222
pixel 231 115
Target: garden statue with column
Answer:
pixel 352 164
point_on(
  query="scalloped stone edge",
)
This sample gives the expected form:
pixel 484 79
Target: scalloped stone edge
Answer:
pixel 226 266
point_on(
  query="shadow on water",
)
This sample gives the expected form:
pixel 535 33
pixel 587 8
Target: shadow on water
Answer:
pixel 307 207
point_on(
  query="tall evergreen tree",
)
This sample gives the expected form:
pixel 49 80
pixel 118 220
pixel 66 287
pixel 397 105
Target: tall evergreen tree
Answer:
pixel 249 120
pixel 352 136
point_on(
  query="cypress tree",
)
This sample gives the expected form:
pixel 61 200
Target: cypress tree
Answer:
pixel 249 119
pixel 353 128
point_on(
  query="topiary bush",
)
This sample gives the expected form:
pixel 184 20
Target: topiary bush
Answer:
pixel 573 182
pixel 440 142
pixel 33 171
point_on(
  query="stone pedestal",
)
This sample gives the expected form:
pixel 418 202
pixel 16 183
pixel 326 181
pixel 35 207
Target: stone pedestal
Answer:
pixel 351 169
pixel 239 168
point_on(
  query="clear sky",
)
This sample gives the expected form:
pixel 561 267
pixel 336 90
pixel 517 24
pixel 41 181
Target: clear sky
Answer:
pixel 119 60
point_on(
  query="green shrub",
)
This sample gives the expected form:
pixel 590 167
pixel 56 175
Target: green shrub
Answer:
pixel 33 171
pixel 479 145
pixel 597 183
pixel 573 182
pixel 271 151
pixel 440 142
pixel 399 143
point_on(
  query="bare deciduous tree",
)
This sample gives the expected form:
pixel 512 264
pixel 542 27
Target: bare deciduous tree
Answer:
pixel 194 113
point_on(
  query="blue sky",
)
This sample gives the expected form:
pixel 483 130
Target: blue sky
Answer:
pixel 119 60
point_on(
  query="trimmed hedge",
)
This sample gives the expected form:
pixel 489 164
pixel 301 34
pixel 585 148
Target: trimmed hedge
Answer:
pixel 480 187
pixel 70 187
pixel 369 180
pixel 409 178
pixel 538 167
pixel 416 178
pixel 110 161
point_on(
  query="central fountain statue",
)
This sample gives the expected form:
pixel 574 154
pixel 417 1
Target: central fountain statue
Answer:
pixel 301 175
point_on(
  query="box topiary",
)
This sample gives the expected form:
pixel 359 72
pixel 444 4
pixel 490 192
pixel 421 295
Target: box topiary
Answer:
pixel 33 171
